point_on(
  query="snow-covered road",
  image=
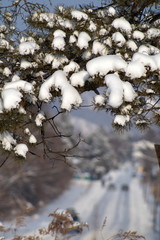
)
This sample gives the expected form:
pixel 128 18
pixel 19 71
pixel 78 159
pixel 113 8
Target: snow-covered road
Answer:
pixel 124 210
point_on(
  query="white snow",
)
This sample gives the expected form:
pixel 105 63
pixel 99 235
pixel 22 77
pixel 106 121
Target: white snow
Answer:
pixel 71 67
pixel 86 55
pixel 92 27
pixel 104 64
pixel 135 69
pixel 19 85
pixel 122 24
pixel 145 59
pixel 156 58
pixel 48 59
pixel 131 45
pixel 40 118
pixel 72 39
pixel 7 140
pixel 26 48
pixel 15 78
pixel 128 92
pixel 121 119
pixel 115 86
pixel 124 210
pixel 11 98
pixel 138 35
pixel 25 64
pixel 70 95
pixel 99 48
pixel 4 44
pixel 32 139
pixel 79 78
pixel 83 40
pixel 118 90
pixel 21 149
pixel 7 72
pixel 153 33
pixel 102 31
pixel 99 99
pixel 58 43
pixel 59 33
pixel 79 15
pixel 118 38
pixel 111 11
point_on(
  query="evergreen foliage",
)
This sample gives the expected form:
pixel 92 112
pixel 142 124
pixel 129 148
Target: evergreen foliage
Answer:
pixel 58 58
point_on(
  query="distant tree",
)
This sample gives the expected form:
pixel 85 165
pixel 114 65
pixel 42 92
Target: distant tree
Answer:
pixel 112 50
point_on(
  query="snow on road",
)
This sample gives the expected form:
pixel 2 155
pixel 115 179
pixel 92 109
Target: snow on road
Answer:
pixel 123 210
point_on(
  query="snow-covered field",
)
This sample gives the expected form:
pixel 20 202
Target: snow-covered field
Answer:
pixel 124 210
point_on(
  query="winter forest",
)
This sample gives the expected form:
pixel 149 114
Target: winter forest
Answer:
pixel 62 175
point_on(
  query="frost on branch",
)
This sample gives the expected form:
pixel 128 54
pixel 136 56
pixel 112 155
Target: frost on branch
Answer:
pixel 72 51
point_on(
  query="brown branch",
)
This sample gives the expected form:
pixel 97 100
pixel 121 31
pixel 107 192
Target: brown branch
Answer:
pixel 4 161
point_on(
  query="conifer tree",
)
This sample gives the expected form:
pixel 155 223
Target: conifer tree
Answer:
pixel 112 50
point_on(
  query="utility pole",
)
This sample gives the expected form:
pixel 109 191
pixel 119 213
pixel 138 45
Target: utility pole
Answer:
pixel 157 148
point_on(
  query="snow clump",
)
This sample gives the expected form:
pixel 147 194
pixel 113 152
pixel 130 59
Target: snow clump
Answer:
pixel 11 98
pixel 58 43
pixel 99 100
pixel 121 120
pixel 79 78
pixel 122 24
pixel 138 35
pixel 118 38
pixel 7 140
pixel 79 15
pixel 99 48
pixel 58 80
pixel 20 85
pixel 104 64
pixel 39 119
pixel 146 60
pixel 71 67
pixel 118 90
pixel 115 88
pixel 111 11
pixel 26 48
pixel 21 150
pixel 135 69
pixel 83 40
pixel 131 45
pixel 59 33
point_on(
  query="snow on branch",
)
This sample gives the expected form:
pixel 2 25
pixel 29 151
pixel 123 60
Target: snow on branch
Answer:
pixel 70 52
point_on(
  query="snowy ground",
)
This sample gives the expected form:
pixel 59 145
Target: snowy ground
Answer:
pixel 125 210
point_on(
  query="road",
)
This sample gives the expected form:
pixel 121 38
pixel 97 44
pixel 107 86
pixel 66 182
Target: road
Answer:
pixel 123 210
